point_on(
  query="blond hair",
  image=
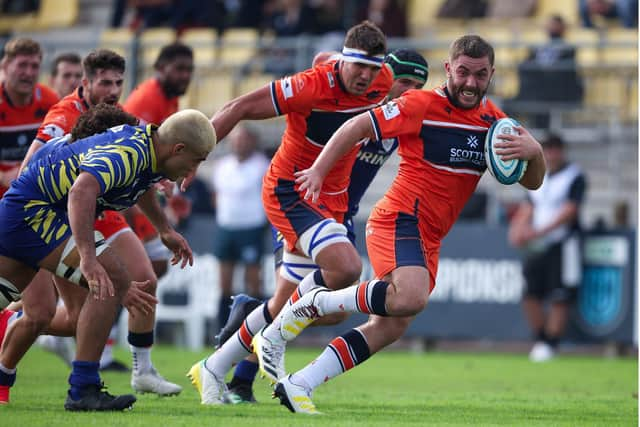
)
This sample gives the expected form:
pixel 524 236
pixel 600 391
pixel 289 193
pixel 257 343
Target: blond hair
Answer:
pixel 189 127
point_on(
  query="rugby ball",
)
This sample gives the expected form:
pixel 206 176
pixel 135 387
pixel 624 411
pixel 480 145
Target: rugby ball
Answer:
pixel 506 172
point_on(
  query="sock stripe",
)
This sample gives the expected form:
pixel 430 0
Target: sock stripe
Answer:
pixel 295 296
pixel 335 353
pixel 361 298
pixel 245 336
pixel 344 354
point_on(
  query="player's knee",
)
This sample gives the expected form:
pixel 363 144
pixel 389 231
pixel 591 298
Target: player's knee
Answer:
pixel 152 286
pixel 121 282
pixel 407 302
pixel 347 272
pixel 37 320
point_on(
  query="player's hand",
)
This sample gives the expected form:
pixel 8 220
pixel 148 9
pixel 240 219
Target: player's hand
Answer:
pixel 517 146
pixel 165 187
pixel 138 301
pixel 100 285
pixel 311 181
pixel 186 181
pixel 179 246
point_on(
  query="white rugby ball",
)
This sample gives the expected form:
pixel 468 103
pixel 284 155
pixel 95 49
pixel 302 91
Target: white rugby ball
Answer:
pixel 506 172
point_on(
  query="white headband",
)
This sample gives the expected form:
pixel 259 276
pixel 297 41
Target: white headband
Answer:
pixel 360 56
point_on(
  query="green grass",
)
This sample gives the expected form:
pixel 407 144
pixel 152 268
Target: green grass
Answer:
pixel 391 389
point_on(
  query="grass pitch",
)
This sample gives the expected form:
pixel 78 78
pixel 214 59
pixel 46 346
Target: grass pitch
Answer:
pixel 391 389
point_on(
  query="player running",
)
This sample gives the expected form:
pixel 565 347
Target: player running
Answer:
pixel 47 221
pixel 316 102
pixel 410 71
pixel 406 227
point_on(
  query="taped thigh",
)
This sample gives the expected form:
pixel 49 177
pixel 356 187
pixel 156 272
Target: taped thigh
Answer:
pixel 295 267
pixel 68 267
pixel 321 235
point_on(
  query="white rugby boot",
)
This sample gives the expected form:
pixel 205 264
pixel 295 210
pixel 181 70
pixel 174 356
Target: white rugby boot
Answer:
pixel 295 397
pixel 152 382
pixel 210 387
pixel 270 354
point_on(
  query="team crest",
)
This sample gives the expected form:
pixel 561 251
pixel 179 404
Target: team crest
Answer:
pixel 601 305
pixel 472 141
pixel 390 110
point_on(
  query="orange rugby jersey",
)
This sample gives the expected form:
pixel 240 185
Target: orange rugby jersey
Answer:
pixel 149 103
pixel 18 125
pixel 63 116
pixel 316 105
pixel 442 154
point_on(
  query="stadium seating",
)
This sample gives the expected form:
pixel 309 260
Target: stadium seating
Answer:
pixel 238 46
pixel 118 40
pixel 152 40
pixel 50 14
pixel 203 42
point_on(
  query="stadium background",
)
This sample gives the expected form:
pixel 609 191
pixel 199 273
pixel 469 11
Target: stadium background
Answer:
pixel 602 136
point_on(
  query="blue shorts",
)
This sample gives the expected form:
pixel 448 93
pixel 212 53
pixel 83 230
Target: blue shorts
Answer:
pixel 30 229
pixel 244 245
pixel 277 240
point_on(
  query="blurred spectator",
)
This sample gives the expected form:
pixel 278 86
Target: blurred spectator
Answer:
pixel 289 18
pixel 463 9
pixel 18 7
pixel 510 8
pixel 624 10
pixel 66 74
pixel 548 75
pixel 330 17
pixel 237 186
pixel 546 226
pixel 246 13
pixel 389 15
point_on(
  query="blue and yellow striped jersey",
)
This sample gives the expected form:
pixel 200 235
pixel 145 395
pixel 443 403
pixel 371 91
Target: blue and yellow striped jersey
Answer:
pixel 122 159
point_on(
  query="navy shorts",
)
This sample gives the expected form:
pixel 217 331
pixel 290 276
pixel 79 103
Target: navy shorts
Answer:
pixel 240 245
pixel 30 229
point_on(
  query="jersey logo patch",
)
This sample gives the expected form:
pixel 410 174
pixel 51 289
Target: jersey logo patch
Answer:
pixel 332 82
pixel 53 131
pixel 390 110
pixel 472 141
pixel 287 88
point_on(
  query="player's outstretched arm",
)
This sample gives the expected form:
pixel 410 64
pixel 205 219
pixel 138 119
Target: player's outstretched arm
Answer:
pixel 256 105
pixel 348 135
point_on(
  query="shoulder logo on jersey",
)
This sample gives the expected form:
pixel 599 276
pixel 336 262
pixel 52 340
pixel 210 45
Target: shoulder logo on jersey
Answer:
pixel 448 109
pixel 287 88
pixel 472 141
pixel 390 110
pixel 78 106
pixel 332 82
pixel 53 131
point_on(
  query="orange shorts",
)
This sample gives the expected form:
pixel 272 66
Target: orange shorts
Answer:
pixel 398 239
pixel 143 228
pixel 110 223
pixel 290 214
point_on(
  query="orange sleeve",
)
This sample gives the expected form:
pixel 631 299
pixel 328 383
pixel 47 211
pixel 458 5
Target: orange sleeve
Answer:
pixel 296 93
pixel 58 122
pixel 400 116
pixel 140 105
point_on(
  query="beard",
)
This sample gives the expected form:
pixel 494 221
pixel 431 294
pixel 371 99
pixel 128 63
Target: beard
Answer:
pixel 456 93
